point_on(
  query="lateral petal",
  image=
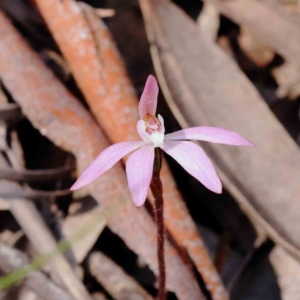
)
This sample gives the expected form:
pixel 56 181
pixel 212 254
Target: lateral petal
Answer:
pixel 139 169
pixel 194 160
pixel 105 161
pixel 210 134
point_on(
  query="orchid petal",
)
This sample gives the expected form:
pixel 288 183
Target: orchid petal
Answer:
pixel 105 161
pixel 139 169
pixel 194 160
pixel 148 100
pixel 210 134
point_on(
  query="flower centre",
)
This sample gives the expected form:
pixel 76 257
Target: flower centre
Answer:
pixel 154 129
pixel 152 124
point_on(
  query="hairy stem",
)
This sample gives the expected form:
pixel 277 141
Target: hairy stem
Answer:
pixel 156 188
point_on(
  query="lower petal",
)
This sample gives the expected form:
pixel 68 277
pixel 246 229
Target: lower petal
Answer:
pixel 194 160
pixel 105 161
pixel 139 169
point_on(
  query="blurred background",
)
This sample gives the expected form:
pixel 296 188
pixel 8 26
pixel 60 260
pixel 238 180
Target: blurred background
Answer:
pixel 71 74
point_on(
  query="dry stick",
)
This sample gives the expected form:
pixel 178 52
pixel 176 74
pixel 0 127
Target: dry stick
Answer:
pixel 9 189
pixel 157 191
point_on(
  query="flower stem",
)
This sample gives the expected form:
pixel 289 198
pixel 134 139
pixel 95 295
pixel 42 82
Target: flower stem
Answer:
pixel 156 188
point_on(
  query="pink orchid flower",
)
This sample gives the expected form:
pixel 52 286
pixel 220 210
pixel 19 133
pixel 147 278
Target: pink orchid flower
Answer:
pixel 139 165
